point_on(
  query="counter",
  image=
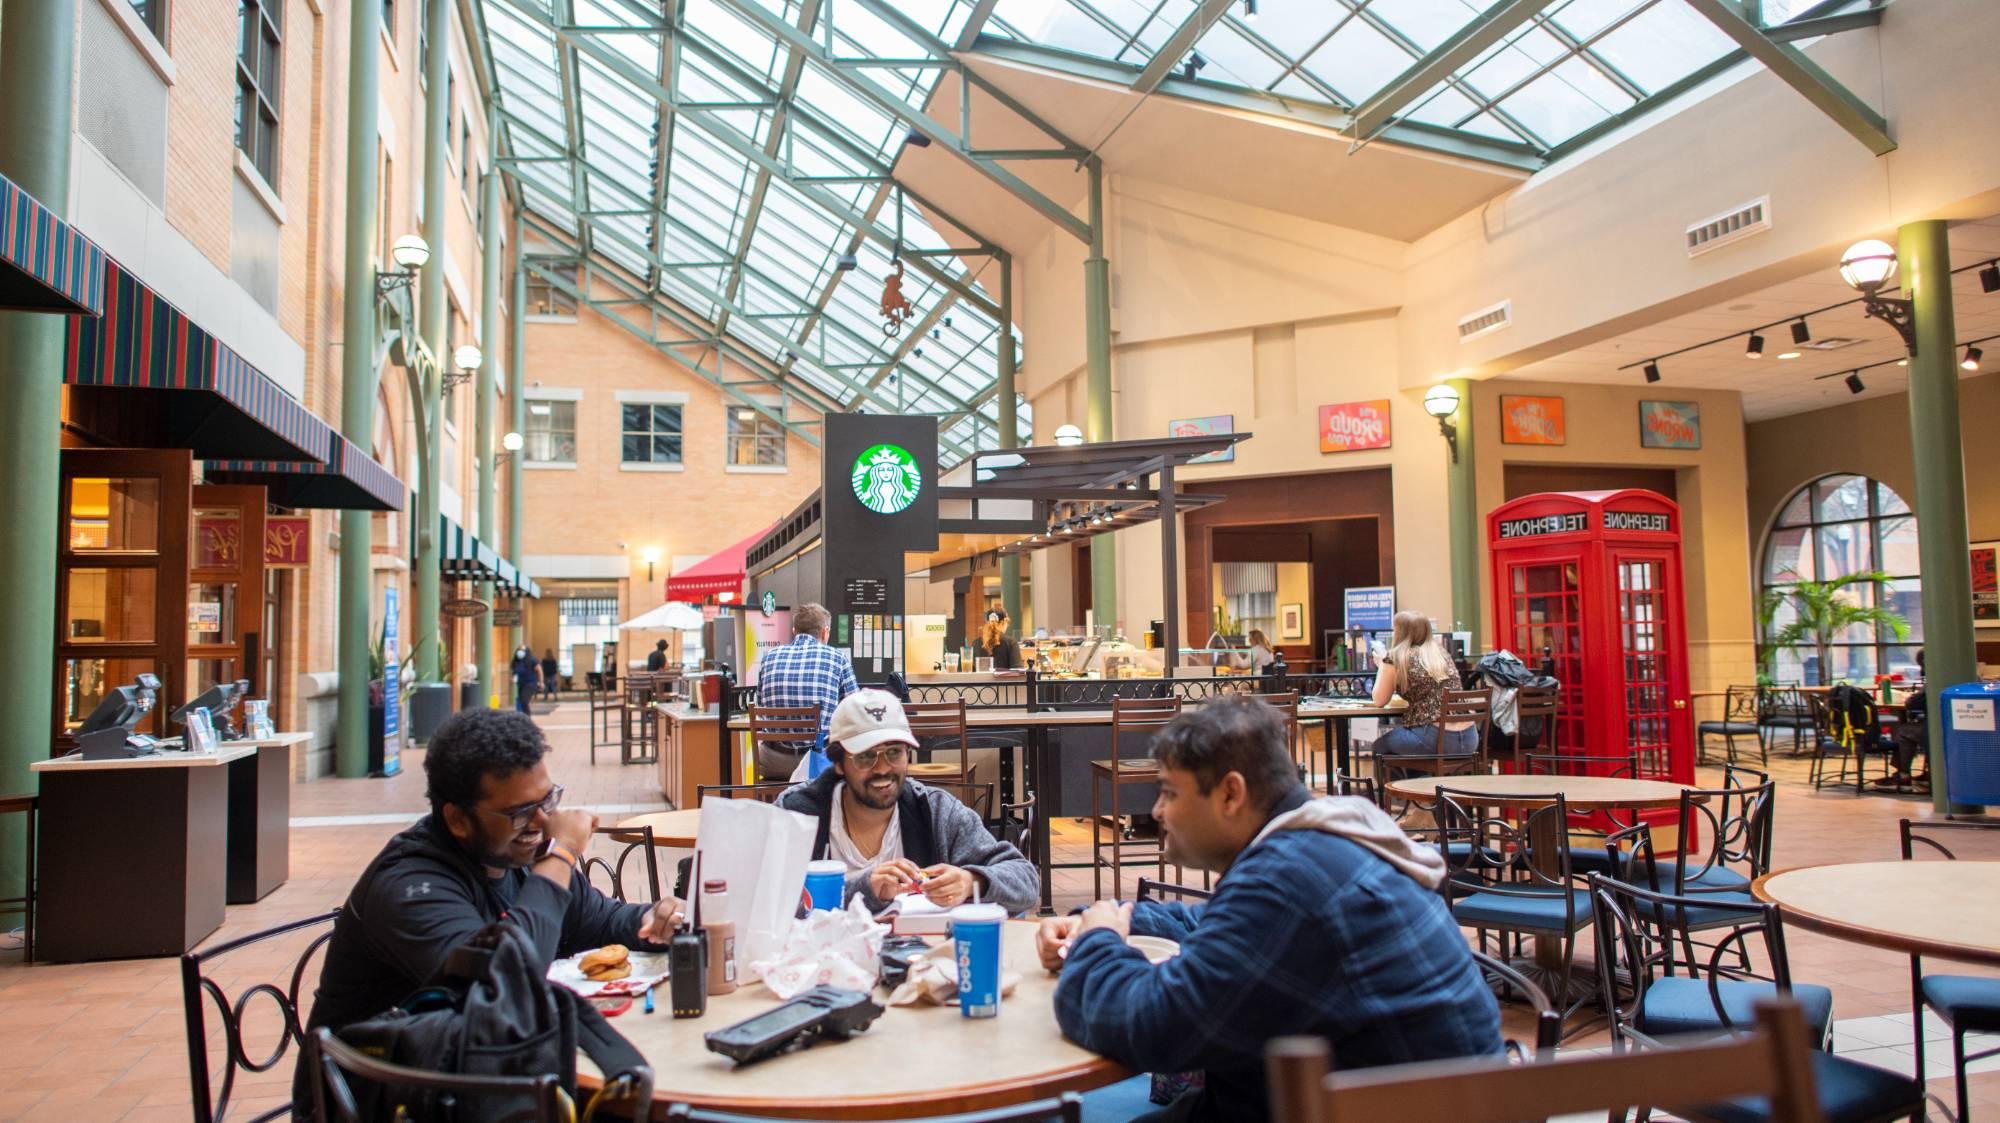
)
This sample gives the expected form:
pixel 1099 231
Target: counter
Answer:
pixel 690 753
pixel 260 817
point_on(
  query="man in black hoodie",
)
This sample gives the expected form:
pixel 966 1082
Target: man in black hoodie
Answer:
pixel 495 846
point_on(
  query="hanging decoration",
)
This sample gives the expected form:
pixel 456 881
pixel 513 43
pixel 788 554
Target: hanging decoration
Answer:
pixel 896 309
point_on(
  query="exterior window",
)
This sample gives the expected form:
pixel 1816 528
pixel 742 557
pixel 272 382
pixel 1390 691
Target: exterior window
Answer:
pixel 389 18
pixel 153 14
pixel 1840 527
pixel 465 151
pixel 259 46
pixel 545 299
pixel 651 434
pixel 754 439
pixel 551 434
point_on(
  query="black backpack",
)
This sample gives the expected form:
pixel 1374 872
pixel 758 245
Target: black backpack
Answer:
pixel 490 1011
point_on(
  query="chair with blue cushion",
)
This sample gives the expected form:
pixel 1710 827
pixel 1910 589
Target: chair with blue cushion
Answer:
pixel 1739 720
pixel 1733 821
pixel 1512 876
pixel 1967 1003
pixel 1590 859
pixel 1783 706
pixel 1649 994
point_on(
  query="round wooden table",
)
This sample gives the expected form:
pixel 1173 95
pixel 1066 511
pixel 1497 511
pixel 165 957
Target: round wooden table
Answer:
pixel 914 1062
pixel 1582 793
pixel 1947 909
pixel 671 829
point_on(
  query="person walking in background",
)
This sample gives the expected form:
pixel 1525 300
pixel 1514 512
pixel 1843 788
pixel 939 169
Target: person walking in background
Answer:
pixel 1418 668
pixel 551 672
pixel 804 672
pixel 526 671
pixel 993 642
pixel 656 659
pixel 1262 654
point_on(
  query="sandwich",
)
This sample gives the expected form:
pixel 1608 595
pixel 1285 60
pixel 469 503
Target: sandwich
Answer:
pixel 608 963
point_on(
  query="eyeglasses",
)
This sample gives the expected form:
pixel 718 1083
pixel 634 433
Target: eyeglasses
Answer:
pixel 894 754
pixel 520 817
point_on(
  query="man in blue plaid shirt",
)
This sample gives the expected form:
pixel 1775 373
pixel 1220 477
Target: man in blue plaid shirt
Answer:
pixel 1326 922
pixel 804 672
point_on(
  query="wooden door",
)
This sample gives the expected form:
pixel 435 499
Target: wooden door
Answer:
pixel 121 580
pixel 225 588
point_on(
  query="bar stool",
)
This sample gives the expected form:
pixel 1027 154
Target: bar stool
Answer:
pixel 1534 703
pixel 936 723
pixel 1137 718
pixel 23 804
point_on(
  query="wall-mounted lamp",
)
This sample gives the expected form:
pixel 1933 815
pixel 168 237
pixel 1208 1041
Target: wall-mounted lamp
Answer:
pixel 1068 436
pixel 467 359
pixel 510 444
pixel 650 556
pixel 1441 402
pixel 410 253
pixel 1866 267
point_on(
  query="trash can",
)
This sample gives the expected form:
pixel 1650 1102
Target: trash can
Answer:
pixel 1971 714
pixel 430 704
pixel 470 695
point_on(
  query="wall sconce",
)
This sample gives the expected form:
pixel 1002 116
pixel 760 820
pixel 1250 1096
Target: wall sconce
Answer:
pixel 1441 402
pixel 1866 267
pixel 410 253
pixel 651 556
pixel 1068 436
pixel 509 445
pixel 467 359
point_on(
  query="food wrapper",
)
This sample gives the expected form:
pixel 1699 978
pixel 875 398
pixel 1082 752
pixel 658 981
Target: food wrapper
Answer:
pixel 761 850
pixel 648 969
pixel 836 948
pixel 934 980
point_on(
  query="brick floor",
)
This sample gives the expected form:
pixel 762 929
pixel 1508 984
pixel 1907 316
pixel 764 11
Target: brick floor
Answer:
pixel 106 1041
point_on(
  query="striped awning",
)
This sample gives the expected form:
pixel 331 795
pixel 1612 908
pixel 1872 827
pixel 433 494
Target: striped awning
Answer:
pixel 464 557
pixel 513 582
pixel 45 265
pixel 348 480
pixel 143 375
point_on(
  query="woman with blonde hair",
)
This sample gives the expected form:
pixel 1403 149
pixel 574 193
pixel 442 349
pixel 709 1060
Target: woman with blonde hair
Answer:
pixel 1418 667
pixel 1262 654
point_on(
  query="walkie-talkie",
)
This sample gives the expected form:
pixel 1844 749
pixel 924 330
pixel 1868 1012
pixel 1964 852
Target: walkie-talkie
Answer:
pixel 687 959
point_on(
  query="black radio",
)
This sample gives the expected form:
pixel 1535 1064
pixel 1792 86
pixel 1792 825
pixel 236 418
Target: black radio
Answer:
pixel 823 1011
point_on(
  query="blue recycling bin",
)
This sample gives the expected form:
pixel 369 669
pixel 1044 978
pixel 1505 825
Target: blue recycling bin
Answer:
pixel 1971 716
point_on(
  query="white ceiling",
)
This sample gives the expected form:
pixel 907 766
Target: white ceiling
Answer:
pixel 1777 388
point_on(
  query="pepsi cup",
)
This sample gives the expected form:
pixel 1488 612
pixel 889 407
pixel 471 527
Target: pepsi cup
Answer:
pixel 826 883
pixel 975 933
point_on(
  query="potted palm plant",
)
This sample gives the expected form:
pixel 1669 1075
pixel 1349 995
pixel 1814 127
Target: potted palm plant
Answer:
pixel 1821 610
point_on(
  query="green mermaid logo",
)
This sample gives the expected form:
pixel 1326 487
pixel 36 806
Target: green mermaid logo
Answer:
pixel 886 479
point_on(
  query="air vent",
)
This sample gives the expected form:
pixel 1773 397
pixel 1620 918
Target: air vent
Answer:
pixel 1486 320
pixel 1831 343
pixel 1730 226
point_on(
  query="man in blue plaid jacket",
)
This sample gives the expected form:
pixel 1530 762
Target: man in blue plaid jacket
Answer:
pixel 804 672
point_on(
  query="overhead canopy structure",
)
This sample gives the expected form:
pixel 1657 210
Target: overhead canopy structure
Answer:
pixel 45 265
pixel 347 479
pixel 463 557
pixel 669 617
pixel 720 575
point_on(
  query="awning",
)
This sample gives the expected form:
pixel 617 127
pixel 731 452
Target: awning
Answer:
pixel 45 265
pixel 672 616
pixel 144 376
pixel 716 575
pixel 462 556
pixel 349 480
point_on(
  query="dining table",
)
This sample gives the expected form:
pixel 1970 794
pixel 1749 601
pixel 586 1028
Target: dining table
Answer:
pixel 911 1062
pixel 1945 909
pixel 675 830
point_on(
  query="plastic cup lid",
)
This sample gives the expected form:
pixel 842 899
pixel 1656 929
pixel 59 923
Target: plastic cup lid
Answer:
pixel 979 914
pixel 827 865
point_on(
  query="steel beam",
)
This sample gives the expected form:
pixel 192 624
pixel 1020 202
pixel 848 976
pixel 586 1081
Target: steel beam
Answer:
pixel 572 109
pixel 1794 69
pixel 914 339
pixel 982 10
pixel 1791 31
pixel 1488 28
pixel 1178 45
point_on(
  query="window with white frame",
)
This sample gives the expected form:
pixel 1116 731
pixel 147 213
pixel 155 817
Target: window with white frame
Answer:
pixel 649 433
pixel 755 439
pixel 259 38
pixel 551 435
pixel 545 298
pixel 153 15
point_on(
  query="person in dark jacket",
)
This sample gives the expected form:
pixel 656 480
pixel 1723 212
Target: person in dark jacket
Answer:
pixel 526 673
pixel 496 845
pixel 1326 922
pixel 656 660
pixel 551 671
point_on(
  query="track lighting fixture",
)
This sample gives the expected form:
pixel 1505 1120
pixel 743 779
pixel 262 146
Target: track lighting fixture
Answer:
pixel 915 139
pixel 1801 333
pixel 1250 11
pixel 1194 64
pixel 1971 361
pixel 1756 348
pixel 1652 372
pixel 845 262
pixel 1989 277
pixel 1854 385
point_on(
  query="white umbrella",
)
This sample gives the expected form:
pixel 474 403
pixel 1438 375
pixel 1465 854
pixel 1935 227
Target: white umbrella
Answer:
pixel 672 616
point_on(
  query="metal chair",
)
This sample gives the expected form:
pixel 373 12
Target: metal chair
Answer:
pixel 211 1104
pixel 1784 706
pixel 606 703
pixel 24 905
pixel 638 721
pixel 1067 1108
pixel 1537 704
pixel 1772 1063
pixel 1967 1003
pixel 1741 717
pixel 634 838
pixel 1736 819
pixel 1511 875
pixel 541 1097
pixel 1590 859
pixel 788 730
pixel 936 725
pixel 1137 719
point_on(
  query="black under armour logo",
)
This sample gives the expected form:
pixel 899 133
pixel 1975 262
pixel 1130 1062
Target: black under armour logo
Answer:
pixel 876 712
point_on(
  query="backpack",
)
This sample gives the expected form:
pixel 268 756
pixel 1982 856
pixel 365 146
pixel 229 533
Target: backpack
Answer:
pixel 490 1011
pixel 1851 713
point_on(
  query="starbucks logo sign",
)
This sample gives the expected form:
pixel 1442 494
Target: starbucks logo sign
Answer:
pixel 886 479
pixel 769 603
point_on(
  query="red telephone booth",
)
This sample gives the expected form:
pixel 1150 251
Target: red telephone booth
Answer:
pixel 1592 579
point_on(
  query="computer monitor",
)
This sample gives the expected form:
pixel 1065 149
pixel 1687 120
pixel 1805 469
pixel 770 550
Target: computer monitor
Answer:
pixel 219 700
pixel 105 732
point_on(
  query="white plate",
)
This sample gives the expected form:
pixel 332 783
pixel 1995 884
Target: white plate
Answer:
pixel 648 969
pixel 1157 949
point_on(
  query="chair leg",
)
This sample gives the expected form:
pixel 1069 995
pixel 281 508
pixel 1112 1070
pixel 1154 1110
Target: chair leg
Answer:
pixel 28 879
pixel 1096 845
pixel 1117 841
pixel 1917 1014
pixel 1957 1067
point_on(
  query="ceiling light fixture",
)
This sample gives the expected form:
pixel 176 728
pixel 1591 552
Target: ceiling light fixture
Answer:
pixel 1989 277
pixel 915 139
pixel 1801 333
pixel 1783 355
pixel 845 262
pixel 1250 11
pixel 1652 372
pixel 1971 361
pixel 1756 348
pixel 1194 64
pixel 1068 436
pixel 1854 385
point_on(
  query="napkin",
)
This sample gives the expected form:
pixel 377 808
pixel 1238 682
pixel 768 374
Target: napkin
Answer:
pixel 648 968
pixel 836 948
pixel 934 980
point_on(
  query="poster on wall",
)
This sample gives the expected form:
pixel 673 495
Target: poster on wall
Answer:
pixel 1292 622
pixel 1353 426
pixel 1528 420
pixel 1669 424
pixel 392 686
pixel 1203 427
pixel 1370 608
pixel 1986 584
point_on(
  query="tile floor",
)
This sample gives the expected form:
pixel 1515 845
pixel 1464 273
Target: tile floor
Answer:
pixel 106 1041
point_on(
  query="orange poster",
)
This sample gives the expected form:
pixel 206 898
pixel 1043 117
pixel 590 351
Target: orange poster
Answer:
pixel 1531 421
pixel 1351 426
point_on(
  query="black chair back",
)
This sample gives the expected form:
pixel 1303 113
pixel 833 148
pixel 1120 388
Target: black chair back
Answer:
pixel 636 840
pixel 1932 833
pixel 1513 854
pixel 210 1101
pixel 1151 890
pixel 333 1100
pixel 1548 1019
pixel 1638 929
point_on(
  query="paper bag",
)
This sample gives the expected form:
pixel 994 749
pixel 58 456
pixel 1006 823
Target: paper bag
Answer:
pixel 761 850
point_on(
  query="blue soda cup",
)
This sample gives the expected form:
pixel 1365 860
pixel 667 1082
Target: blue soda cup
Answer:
pixel 826 883
pixel 975 933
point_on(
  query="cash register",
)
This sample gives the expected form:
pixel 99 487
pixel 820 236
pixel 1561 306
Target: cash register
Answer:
pixel 220 702
pixel 107 733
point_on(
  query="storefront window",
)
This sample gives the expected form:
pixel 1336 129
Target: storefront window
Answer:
pixel 110 605
pixel 584 621
pixel 120 515
pixel 1841 526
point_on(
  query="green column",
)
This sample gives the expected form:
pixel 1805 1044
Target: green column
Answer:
pixel 36 77
pixel 358 384
pixel 516 381
pixel 1462 490
pixel 1924 260
pixel 483 441
pixel 1003 397
pixel 431 322
pixel 1097 365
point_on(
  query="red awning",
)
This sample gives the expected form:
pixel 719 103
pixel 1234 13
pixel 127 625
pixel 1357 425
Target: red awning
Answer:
pixel 715 575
